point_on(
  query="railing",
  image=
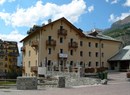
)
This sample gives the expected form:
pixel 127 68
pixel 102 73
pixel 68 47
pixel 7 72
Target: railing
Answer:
pixel 13 54
pixel 23 69
pixel 34 43
pixel 2 53
pixel 51 42
pixel 62 32
pixel 73 45
pixel 34 68
pixel 23 49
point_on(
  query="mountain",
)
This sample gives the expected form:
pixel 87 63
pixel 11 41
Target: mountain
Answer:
pixel 125 21
pixel 120 30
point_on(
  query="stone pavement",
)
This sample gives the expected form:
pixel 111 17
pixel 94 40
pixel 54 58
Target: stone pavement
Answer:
pixel 117 85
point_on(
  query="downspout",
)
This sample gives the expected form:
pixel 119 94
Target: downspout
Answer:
pixel 100 50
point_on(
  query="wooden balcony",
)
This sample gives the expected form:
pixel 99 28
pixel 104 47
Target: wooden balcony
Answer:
pixel 13 54
pixel 2 53
pixel 51 43
pixel 23 69
pixel 5 65
pixel 62 32
pixel 73 45
pixel 34 43
pixel 34 68
pixel 23 49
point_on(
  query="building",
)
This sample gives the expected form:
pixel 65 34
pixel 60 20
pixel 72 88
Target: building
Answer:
pixel 60 46
pixel 8 57
pixel 121 60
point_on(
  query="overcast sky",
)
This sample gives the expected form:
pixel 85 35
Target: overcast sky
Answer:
pixel 18 16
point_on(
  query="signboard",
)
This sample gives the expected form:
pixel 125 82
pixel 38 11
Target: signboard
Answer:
pixel 61 55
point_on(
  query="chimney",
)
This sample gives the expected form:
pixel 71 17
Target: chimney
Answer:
pixel 49 21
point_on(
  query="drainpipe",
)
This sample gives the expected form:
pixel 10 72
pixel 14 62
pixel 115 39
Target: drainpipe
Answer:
pixel 100 51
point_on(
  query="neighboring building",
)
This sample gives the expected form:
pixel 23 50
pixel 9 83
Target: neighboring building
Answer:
pixel 121 60
pixel 60 46
pixel 8 57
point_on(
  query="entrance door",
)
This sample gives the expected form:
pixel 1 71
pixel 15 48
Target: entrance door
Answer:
pixel 124 65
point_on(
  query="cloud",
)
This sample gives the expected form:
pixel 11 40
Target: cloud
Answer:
pixel 114 18
pixel 112 1
pixel 107 0
pixel 39 12
pixel 127 3
pixel 3 1
pixel 90 8
pixel 13 36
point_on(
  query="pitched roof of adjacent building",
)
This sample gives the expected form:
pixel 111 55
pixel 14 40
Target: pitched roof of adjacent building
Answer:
pixel 95 34
pixel 122 55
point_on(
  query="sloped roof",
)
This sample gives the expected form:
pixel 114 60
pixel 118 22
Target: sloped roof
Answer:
pixel 122 55
pixel 62 19
pixel 98 35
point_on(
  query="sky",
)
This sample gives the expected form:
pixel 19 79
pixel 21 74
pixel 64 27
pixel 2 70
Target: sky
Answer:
pixel 18 16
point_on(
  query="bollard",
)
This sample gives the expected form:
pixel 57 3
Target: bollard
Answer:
pixel 61 82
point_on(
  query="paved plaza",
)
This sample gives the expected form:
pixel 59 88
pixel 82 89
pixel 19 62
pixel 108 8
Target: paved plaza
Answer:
pixel 117 85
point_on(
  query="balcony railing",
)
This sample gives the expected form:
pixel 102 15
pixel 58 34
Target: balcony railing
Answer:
pixel 23 69
pixel 13 54
pixel 34 43
pixel 73 45
pixel 2 53
pixel 51 43
pixel 62 32
pixel 23 49
pixel 34 69
pixel 5 65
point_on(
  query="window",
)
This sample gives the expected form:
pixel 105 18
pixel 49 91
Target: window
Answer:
pixel 29 53
pixel 89 54
pixel 102 64
pixel 49 38
pixel 89 64
pixel 29 64
pixel 61 27
pixel 81 63
pixel 81 53
pixel 71 40
pixel 96 54
pixel 49 50
pixel 61 40
pixel 81 43
pixel 71 52
pixel 96 45
pixel 102 54
pixel 71 63
pixel 61 50
pixel 97 64
pixel 89 44
pixel 36 63
pixel 102 45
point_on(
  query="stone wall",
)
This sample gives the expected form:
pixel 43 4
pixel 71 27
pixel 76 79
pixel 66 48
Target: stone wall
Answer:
pixel 26 83
pixel 74 79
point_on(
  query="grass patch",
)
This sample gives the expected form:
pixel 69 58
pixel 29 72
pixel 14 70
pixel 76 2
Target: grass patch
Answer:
pixel 7 83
